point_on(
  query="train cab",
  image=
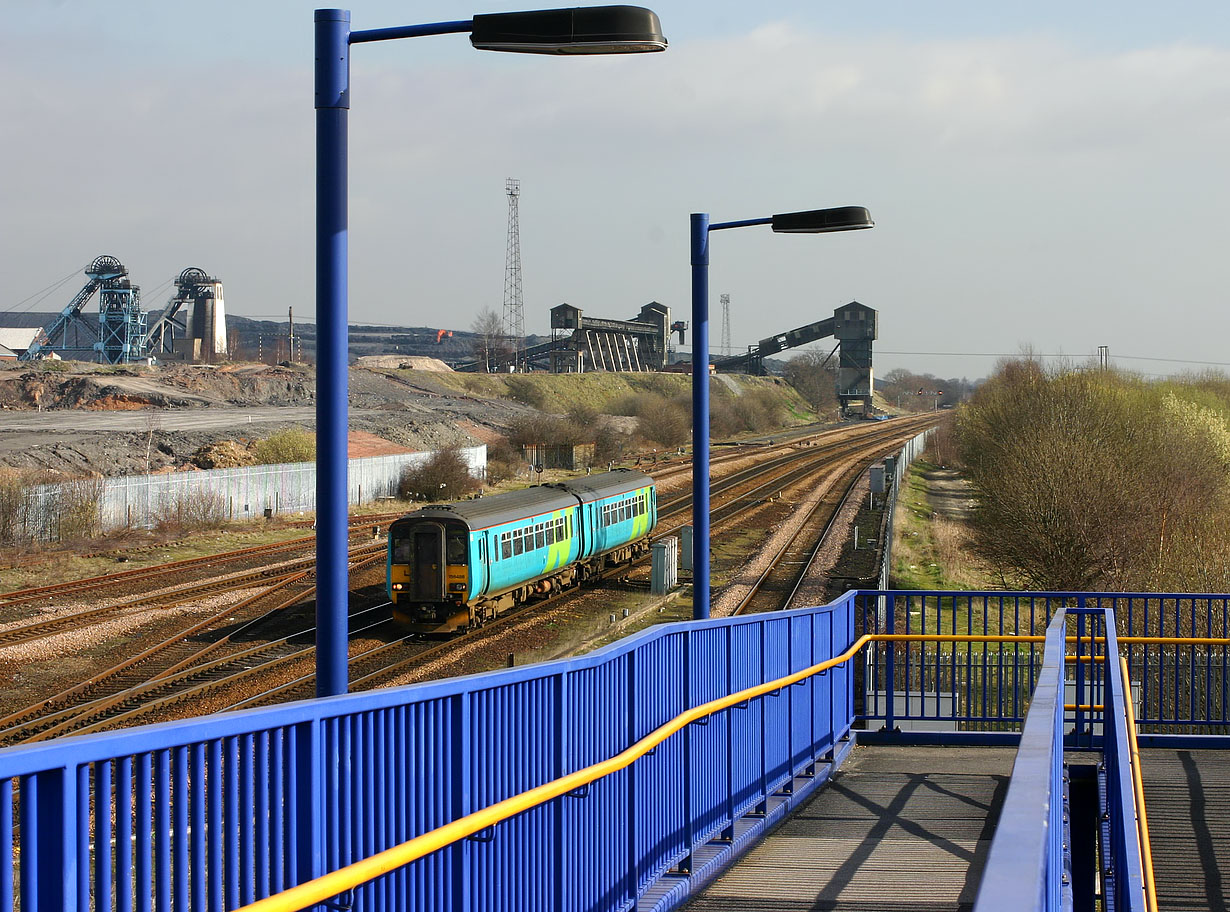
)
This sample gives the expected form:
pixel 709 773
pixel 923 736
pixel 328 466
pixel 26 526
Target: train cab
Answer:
pixel 429 564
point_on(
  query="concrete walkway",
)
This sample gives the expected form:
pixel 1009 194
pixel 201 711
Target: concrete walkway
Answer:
pixel 897 828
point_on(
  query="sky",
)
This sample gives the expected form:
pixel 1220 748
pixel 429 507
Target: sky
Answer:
pixel 1044 176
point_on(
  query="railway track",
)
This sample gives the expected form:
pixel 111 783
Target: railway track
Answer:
pixel 775 587
pixel 137 576
pixel 211 677
pixel 387 662
pixel 120 691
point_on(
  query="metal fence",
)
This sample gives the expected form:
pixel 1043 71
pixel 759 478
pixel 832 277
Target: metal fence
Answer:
pixel 1181 688
pixel 911 451
pixel 1033 863
pixel 215 812
pixel 1026 866
pixel 246 492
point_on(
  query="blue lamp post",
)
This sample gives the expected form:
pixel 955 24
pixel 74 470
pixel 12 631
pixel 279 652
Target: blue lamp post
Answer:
pixel 591 30
pixel 814 221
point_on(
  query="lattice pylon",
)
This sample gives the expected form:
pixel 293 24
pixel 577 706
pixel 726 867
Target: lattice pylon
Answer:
pixel 514 306
pixel 726 343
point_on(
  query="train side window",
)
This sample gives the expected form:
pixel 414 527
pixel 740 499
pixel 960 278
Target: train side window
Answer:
pixel 518 543
pixel 540 537
pixel 505 546
pixel 549 529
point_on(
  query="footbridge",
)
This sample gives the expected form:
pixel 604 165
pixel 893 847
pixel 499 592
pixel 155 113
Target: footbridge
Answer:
pixel 889 750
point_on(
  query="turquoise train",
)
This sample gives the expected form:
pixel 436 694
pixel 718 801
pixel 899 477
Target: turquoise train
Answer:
pixel 455 566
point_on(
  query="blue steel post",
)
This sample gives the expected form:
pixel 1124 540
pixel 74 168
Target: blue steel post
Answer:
pixel 890 662
pixel 332 418
pixel 700 415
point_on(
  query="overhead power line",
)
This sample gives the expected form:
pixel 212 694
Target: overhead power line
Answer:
pixel 969 354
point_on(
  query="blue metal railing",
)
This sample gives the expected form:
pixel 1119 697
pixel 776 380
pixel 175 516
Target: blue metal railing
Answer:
pixel 1027 865
pixel 216 812
pixel 1030 856
pixel 1124 879
pixel 981 691
pixel 213 813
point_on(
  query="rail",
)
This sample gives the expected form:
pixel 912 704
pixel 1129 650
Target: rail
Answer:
pixel 221 811
pixel 1124 879
pixel 1033 863
pixel 1027 861
pixel 1175 645
pixel 736 721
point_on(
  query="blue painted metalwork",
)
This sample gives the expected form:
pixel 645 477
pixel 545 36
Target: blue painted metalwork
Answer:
pixel 1028 856
pixel 215 812
pixel 983 690
pixel 700 413
pixel 332 358
pixel 1125 876
pixel 222 810
pixel 1025 867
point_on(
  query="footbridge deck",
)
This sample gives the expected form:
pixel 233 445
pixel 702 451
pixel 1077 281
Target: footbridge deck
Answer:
pixel 897 828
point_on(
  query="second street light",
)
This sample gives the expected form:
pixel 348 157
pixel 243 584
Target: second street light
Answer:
pixel 813 221
pixel 587 30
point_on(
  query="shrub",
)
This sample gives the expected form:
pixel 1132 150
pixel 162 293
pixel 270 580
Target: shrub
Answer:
pixel 1094 480
pixel 14 494
pixel 191 510
pixel 445 476
pixel 75 504
pixel 755 410
pixel 669 424
pixel 503 461
pixel 290 445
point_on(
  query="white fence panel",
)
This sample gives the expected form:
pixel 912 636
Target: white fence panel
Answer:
pixel 242 493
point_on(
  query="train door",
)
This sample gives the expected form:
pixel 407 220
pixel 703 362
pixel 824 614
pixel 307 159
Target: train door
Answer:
pixel 427 581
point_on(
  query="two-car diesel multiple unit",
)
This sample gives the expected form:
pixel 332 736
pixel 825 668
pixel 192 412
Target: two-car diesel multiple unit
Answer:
pixel 458 565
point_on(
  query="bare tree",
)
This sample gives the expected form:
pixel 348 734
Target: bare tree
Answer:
pixel 491 345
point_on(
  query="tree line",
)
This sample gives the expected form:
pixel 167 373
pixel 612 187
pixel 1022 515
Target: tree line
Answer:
pixel 1089 479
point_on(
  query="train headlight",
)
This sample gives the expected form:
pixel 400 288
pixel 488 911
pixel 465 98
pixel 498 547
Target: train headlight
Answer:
pixel 457 587
pixel 398 587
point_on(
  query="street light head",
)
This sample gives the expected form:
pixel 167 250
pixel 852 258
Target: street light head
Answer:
pixel 584 30
pixel 818 221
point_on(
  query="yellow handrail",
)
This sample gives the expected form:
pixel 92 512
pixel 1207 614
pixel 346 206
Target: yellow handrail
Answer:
pixel 335 882
pixel 359 872
pixel 1138 786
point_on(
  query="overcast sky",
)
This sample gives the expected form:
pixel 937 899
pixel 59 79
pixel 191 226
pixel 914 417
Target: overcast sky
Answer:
pixel 1052 175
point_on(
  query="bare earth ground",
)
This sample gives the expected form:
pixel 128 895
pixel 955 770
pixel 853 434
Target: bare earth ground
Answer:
pixel 948 493
pixel 129 420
